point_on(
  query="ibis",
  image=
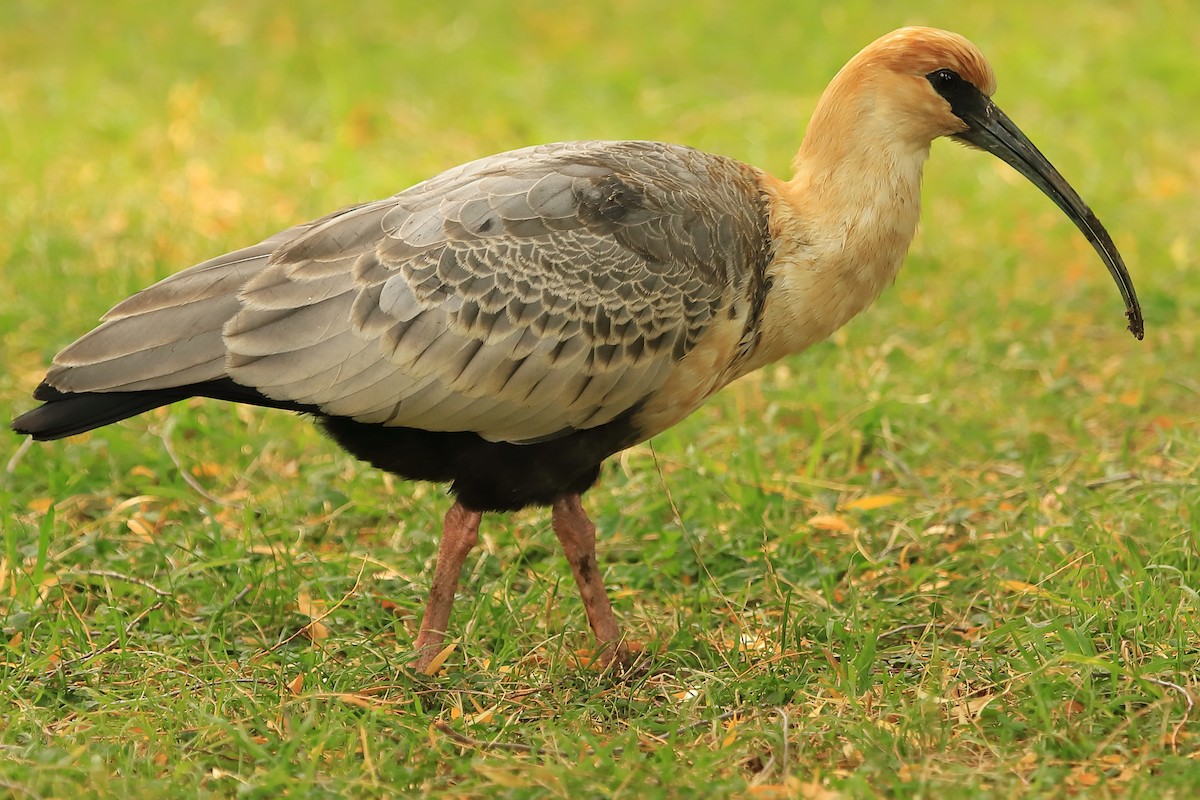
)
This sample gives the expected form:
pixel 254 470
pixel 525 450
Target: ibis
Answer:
pixel 507 325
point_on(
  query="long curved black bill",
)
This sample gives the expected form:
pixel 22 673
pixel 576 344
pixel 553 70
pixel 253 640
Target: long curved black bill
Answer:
pixel 990 129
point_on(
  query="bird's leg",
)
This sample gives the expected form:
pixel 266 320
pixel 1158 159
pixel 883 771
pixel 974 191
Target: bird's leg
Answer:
pixel 578 537
pixel 460 532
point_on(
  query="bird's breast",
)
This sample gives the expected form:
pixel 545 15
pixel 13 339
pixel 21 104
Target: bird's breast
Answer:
pixel 707 367
pixel 832 259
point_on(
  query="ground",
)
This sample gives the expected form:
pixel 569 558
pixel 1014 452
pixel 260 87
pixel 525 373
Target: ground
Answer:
pixel 953 550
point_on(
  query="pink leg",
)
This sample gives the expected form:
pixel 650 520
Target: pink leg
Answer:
pixel 578 537
pixel 460 532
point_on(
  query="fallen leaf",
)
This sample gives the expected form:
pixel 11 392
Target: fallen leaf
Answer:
pixel 296 684
pixel 140 526
pixel 309 607
pixel 1021 587
pixel 40 505
pixel 355 700
pixel 1084 777
pixel 830 522
pixel 1133 397
pixel 976 705
pixel 794 787
pixel 730 737
pixel 207 470
pixel 481 718
pixel 871 502
pixel 814 791
pixel 754 642
pixel 315 631
pixel 390 606
pixel 440 659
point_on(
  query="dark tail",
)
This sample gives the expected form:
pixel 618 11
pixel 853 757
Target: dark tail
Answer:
pixel 66 413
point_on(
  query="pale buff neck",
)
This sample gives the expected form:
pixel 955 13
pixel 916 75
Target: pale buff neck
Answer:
pixel 841 226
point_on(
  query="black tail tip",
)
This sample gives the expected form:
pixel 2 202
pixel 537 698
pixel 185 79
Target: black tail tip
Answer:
pixel 47 422
pixel 66 414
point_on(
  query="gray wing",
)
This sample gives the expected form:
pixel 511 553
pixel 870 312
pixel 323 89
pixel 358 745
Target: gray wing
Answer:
pixel 520 296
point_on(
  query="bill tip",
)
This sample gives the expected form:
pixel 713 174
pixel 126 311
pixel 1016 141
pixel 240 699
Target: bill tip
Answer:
pixel 1136 325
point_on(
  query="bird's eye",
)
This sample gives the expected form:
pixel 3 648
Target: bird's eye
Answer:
pixel 943 77
pixel 947 83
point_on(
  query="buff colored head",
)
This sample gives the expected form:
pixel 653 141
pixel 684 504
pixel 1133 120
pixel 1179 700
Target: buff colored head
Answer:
pixel 914 85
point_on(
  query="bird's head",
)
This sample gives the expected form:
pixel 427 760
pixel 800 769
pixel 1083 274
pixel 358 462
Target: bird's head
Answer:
pixel 914 85
pixel 911 79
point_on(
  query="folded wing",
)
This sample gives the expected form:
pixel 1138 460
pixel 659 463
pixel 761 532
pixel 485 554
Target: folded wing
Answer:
pixel 521 296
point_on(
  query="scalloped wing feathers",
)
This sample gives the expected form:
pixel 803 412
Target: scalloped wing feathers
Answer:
pixel 520 296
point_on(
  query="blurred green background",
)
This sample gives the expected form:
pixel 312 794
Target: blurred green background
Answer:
pixel 956 544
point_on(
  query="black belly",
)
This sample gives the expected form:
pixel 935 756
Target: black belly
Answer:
pixel 483 475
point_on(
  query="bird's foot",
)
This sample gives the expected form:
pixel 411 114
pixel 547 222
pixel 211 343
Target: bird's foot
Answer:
pixel 620 659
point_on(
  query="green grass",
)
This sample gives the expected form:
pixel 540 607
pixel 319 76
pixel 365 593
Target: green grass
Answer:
pixel 952 551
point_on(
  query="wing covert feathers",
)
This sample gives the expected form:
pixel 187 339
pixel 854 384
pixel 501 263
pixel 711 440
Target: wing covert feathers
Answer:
pixel 520 296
